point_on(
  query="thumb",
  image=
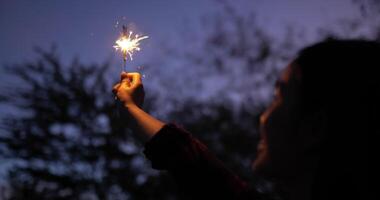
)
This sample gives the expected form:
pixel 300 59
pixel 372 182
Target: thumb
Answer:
pixel 123 75
pixel 115 88
pixel 135 79
pixel 125 82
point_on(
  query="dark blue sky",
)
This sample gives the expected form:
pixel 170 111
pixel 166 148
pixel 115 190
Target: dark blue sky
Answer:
pixel 86 28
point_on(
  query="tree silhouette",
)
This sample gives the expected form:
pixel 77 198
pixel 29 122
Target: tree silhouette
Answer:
pixel 69 142
pixel 242 61
pixel 231 135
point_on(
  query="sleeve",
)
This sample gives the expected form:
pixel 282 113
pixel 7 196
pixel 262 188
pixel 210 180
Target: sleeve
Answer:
pixel 198 173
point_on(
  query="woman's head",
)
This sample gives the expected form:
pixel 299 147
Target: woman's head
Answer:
pixel 322 113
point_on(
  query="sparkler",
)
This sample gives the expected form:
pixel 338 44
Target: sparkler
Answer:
pixel 127 44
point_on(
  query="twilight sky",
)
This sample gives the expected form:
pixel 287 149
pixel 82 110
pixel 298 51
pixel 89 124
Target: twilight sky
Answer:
pixel 86 28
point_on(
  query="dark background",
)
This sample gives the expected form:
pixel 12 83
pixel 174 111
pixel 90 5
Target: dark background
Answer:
pixel 208 65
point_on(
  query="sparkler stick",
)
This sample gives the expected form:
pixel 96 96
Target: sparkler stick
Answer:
pixel 128 44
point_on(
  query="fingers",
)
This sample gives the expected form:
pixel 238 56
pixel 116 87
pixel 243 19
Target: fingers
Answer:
pixel 125 82
pixel 128 80
pixel 115 88
pixel 133 78
pixel 123 75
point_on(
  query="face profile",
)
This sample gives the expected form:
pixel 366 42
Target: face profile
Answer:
pixel 315 132
pixel 278 144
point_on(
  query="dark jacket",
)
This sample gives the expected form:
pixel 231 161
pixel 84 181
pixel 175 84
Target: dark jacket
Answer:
pixel 198 173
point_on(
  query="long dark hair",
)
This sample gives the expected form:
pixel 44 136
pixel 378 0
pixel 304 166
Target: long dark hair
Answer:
pixel 338 77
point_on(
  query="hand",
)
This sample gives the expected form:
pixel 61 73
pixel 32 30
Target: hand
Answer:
pixel 130 90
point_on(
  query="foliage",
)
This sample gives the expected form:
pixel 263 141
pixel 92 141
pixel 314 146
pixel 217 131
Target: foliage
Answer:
pixel 231 135
pixel 70 143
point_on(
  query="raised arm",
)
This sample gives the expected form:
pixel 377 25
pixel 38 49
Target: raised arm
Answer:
pixel 197 172
pixel 130 92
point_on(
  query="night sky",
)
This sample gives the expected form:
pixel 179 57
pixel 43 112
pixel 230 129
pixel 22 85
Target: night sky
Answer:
pixel 86 28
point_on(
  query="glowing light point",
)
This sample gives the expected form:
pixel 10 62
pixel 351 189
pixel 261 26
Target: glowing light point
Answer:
pixel 127 44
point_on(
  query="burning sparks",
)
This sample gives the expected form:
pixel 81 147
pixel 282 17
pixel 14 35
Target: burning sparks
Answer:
pixel 128 44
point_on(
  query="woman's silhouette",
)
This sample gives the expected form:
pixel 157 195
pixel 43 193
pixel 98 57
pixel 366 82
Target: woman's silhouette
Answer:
pixel 314 135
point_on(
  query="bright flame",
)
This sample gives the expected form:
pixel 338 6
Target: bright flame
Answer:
pixel 127 44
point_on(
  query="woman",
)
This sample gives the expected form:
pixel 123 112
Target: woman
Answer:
pixel 313 136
